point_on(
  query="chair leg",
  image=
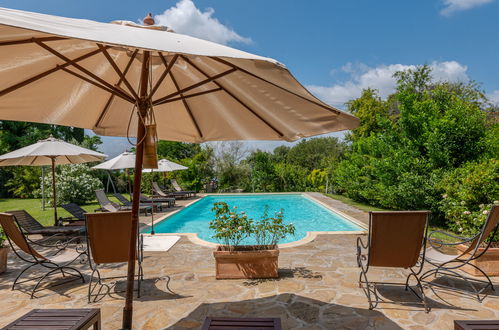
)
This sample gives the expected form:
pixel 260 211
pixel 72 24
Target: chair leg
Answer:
pixel 420 286
pixel 20 274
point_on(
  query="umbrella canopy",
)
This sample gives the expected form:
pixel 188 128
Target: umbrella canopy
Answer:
pixel 115 79
pixel 51 152
pixel 165 165
pixel 42 153
pixel 200 91
pixel 120 162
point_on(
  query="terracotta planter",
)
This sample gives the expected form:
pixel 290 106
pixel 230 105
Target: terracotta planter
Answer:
pixel 489 262
pixel 246 262
pixel 3 259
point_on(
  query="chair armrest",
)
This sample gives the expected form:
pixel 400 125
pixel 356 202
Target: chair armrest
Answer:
pixel 360 247
pixel 433 242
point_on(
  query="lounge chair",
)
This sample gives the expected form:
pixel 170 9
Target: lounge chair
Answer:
pixel 125 202
pixel 31 226
pixel 175 194
pixel 395 240
pixel 108 241
pixel 177 188
pixel 56 263
pixel 77 214
pixel 446 264
pixel 159 201
pixel 109 206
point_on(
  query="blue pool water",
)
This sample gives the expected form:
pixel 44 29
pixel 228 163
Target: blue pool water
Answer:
pixel 304 213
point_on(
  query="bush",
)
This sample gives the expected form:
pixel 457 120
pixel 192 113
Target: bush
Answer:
pixel 74 184
pixel 467 195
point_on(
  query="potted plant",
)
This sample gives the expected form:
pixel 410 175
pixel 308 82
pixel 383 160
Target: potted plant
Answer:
pixel 4 250
pixel 234 260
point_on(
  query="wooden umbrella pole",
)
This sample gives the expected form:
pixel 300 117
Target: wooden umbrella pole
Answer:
pixel 54 191
pixel 139 155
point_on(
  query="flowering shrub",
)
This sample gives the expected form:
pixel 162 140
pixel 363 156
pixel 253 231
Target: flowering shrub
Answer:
pixel 232 227
pixel 468 194
pixel 269 230
pixel 74 184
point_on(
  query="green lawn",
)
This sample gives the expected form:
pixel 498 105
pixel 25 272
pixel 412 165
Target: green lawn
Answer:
pixel 34 207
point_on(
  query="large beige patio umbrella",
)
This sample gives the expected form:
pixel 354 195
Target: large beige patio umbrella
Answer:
pixel 115 79
pixel 51 152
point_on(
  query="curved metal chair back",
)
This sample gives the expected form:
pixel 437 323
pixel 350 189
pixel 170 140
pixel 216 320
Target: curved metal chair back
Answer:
pixel 14 234
pixel 396 238
pixel 489 226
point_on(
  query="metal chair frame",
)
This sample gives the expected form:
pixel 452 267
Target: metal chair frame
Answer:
pixel 369 287
pixel 449 268
pixel 50 265
pixel 98 282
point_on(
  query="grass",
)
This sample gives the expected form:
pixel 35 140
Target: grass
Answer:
pixel 34 207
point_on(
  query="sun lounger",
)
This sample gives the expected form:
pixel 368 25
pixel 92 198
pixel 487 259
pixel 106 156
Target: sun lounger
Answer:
pixel 109 206
pixel 31 226
pixel 168 201
pixel 395 240
pixel 77 215
pixel 58 261
pixel 173 194
pixel 177 188
pixel 61 319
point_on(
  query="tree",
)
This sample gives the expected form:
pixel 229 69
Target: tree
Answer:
pixel 311 153
pixel 177 150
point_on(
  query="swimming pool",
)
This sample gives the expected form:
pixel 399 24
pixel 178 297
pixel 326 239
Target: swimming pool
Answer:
pixel 306 214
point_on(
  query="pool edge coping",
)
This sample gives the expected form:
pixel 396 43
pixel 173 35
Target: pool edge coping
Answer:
pixel 309 237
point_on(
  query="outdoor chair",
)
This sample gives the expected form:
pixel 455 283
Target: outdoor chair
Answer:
pixel 123 200
pixel 447 264
pixel 158 201
pixel 31 226
pixel 172 194
pixel 59 261
pixel 395 240
pixel 179 189
pixel 109 206
pixel 108 242
pixel 77 214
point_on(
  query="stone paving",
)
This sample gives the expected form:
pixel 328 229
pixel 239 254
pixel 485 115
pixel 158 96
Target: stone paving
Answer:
pixel 317 289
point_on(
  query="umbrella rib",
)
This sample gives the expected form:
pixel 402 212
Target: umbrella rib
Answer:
pixel 203 82
pixel 164 74
pixel 87 72
pixel 184 102
pixel 45 73
pixel 118 71
pixel 275 85
pixel 30 40
pixel 236 98
pixel 110 99
pixel 191 95
pixel 112 91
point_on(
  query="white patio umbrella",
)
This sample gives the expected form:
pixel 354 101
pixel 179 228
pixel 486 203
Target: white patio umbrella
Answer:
pixel 51 152
pixel 116 79
pixel 123 161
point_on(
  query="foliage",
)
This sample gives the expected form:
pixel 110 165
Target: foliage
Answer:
pixel 268 231
pixel 74 184
pixel 468 193
pixel 232 227
pixel 410 147
pixel 3 238
pixel 231 172
pixel 199 172
pixel 24 181
pixel 312 153
pixel 173 151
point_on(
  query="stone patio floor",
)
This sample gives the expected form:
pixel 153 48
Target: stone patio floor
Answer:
pixel 317 289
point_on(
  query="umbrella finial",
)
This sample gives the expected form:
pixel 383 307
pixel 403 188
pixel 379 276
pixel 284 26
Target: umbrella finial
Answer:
pixel 148 20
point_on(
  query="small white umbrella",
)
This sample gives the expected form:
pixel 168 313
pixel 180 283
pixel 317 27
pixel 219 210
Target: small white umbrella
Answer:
pixel 122 161
pixel 50 152
pixel 165 165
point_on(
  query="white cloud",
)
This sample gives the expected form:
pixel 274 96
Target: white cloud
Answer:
pixel 186 18
pixel 381 78
pixel 452 6
pixel 494 96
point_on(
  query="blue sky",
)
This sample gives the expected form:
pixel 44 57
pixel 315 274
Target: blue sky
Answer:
pixel 335 48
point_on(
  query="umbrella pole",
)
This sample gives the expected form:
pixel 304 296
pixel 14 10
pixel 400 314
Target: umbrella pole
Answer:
pixel 139 155
pixel 54 191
